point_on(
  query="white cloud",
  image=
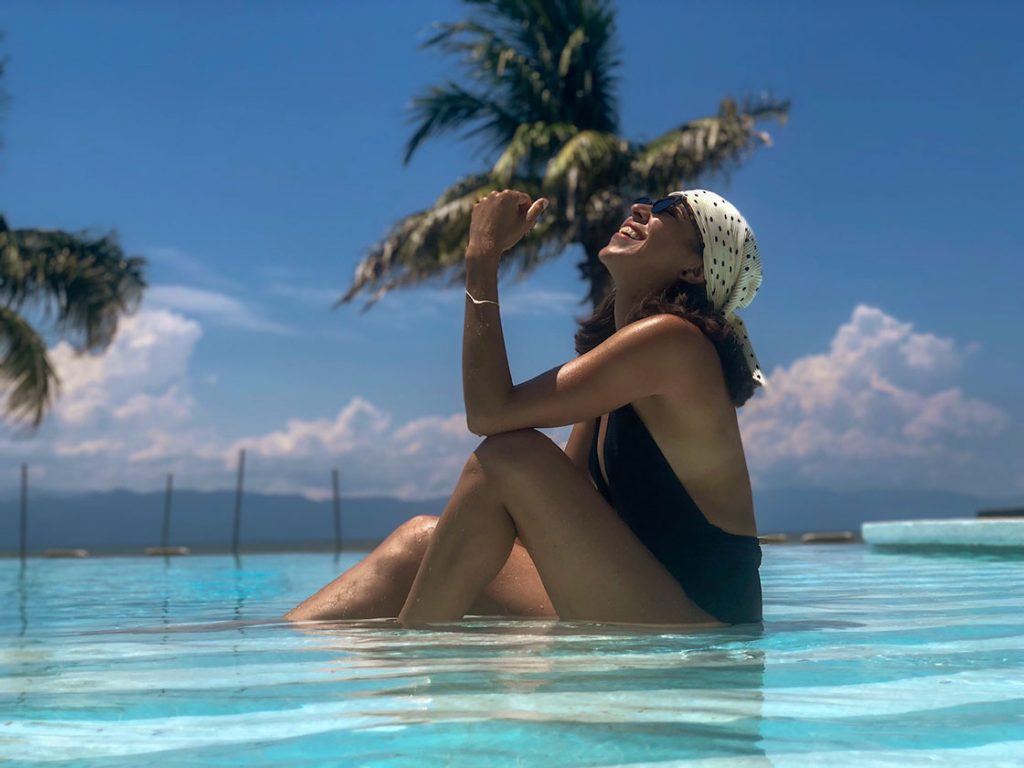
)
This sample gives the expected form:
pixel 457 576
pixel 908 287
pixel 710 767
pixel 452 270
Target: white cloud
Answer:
pixel 421 458
pixel 184 445
pixel 150 352
pixel 122 407
pixel 214 306
pixel 171 403
pixel 877 408
pixel 871 412
pixel 358 424
pixel 419 435
pixel 85 447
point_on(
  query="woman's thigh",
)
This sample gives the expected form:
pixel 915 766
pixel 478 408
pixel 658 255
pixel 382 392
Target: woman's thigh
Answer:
pixel 516 591
pixel 592 565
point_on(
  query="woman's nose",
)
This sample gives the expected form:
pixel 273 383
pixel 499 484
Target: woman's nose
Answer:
pixel 641 210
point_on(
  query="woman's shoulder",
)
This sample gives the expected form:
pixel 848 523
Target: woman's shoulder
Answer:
pixel 717 359
pixel 679 334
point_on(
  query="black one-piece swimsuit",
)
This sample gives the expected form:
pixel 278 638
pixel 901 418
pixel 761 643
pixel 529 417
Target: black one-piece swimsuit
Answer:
pixel 717 569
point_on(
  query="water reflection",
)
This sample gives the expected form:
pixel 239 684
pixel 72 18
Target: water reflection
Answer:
pixel 678 687
pixel 22 590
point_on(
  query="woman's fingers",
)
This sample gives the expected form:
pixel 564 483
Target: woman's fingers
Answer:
pixel 539 206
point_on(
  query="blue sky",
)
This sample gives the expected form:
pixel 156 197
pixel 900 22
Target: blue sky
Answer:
pixel 252 152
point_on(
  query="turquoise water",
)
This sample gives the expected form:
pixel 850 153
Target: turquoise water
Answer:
pixel 866 658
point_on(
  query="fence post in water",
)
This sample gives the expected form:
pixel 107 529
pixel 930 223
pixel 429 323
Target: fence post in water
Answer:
pixel 23 531
pixel 166 534
pixel 337 512
pixel 238 501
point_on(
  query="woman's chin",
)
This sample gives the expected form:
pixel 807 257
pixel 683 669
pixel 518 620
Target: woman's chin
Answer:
pixel 617 247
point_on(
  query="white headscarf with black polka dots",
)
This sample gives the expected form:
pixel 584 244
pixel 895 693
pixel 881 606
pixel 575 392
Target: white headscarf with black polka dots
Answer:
pixel 732 262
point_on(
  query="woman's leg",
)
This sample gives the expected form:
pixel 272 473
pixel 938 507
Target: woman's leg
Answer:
pixel 475 536
pixel 378 585
pixel 594 567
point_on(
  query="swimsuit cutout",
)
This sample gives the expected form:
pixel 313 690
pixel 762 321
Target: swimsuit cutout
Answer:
pixel 717 569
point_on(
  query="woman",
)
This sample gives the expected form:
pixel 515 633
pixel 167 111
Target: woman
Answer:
pixel 646 517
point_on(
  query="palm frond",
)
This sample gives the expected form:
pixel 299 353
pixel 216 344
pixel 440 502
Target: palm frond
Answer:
pixel 467 185
pixel 532 144
pixel 431 244
pixel 714 144
pixel 25 370
pixel 87 281
pixel 588 161
pixel 500 67
pixel 545 103
pixel 538 60
pixel 422 244
pixel 449 107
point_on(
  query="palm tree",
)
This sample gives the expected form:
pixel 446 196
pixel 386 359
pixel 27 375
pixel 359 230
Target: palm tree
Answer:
pixel 546 104
pixel 87 281
pixel 83 283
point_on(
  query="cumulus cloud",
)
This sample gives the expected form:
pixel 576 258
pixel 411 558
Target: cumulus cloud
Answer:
pixel 875 409
pixel 358 424
pixel 127 416
pixel 880 407
pixel 84 447
pixel 149 355
pixel 130 403
pixel 421 458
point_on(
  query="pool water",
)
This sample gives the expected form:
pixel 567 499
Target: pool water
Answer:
pixel 865 658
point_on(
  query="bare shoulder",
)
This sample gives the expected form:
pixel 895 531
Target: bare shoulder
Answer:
pixel 692 357
pixel 666 330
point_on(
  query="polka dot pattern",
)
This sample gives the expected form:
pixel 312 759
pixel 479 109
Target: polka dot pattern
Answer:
pixel 732 262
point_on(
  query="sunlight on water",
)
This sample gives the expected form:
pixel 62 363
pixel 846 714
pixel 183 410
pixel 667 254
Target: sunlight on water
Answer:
pixel 866 658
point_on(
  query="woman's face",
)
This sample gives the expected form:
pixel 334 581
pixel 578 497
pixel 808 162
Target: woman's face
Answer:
pixel 661 247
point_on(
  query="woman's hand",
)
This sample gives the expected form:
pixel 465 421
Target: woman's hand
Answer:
pixel 499 221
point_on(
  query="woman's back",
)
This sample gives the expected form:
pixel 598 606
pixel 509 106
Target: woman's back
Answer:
pixel 717 567
pixel 700 444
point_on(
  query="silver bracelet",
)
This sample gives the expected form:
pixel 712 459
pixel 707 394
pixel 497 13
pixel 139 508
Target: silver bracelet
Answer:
pixel 480 301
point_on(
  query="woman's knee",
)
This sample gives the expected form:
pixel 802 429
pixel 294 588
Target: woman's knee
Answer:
pixel 413 537
pixel 511 442
pixel 512 453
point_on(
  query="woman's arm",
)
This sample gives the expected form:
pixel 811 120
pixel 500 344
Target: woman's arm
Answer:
pixel 486 379
pixel 650 356
pixel 654 355
pixel 577 447
pixel 499 221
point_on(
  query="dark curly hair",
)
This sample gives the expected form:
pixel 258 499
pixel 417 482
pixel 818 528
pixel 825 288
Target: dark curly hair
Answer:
pixel 690 302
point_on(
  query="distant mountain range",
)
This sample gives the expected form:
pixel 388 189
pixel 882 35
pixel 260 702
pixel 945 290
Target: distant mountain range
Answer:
pixel 120 521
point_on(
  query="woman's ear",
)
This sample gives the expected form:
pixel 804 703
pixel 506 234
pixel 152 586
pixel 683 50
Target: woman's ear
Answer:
pixel 693 274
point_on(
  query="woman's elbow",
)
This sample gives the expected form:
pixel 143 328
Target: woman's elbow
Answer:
pixel 477 426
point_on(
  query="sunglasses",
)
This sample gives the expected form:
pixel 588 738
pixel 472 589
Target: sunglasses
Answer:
pixel 668 202
pixel 661 205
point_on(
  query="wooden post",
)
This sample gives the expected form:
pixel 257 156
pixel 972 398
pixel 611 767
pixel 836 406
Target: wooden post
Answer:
pixel 23 538
pixel 337 511
pixel 238 501
pixel 166 533
pixel 165 550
